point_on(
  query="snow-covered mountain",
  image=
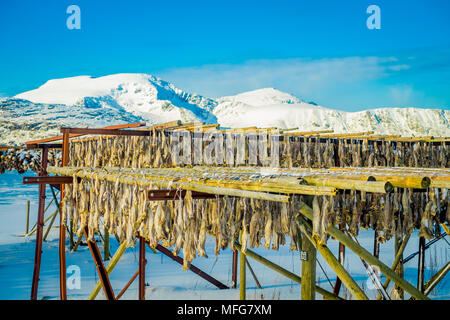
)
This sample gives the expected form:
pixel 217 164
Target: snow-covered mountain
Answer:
pixel 88 101
pixel 140 94
pixel 273 108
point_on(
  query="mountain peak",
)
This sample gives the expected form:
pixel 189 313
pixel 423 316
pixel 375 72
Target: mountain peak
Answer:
pixel 263 97
pixel 141 94
pixel 73 90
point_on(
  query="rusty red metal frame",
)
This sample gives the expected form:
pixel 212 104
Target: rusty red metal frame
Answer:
pixel 234 269
pixel 153 195
pixel 191 267
pixel 105 131
pixel 34 143
pixel 142 263
pixel 104 279
pixel 160 195
pixel 421 265
pixel 48 180
pixel 39 227
pixel 127 285
pixel 341 257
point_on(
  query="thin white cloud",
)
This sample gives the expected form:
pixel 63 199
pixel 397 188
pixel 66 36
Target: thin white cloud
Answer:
pixel 402 94
pixel 302 77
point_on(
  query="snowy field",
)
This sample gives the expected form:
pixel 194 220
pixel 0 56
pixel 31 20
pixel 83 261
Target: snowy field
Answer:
pixel 164 277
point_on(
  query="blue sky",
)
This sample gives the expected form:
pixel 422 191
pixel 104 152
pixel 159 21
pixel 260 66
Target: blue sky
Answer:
pixel 319 50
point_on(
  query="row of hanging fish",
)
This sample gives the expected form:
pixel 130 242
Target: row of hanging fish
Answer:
pixel 309 153
pixel 401 212
pixel 183 224
pixel 24 160
pixel 156 150
pixel 122 151
pixel 236 149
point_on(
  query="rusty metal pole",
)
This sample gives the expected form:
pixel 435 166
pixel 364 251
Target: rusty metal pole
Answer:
pixel 399 268
pixel 376 245
pixel 39 227
pixel 341 258
pixel 127 285
pixel 234 274
pixel 142 263
pixel 191 267
pixel 421 264
pixel 376 248
pixel 104 279
pixel 62 230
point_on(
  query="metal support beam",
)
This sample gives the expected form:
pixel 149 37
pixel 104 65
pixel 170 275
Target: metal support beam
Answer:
pixel 191 267
pixel 112 264
pixel 39 227
pixel 128 285
pixel 112 132
pixel 376 245
pixel 48 180
pixel 95 252
pixel 234 269
pixel 399 248
pixel 341 259
pixel 421 265
pixel 162 195
pixel 142 263
pixel 42 142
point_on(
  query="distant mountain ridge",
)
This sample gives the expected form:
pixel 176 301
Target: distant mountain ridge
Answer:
pixel 120 98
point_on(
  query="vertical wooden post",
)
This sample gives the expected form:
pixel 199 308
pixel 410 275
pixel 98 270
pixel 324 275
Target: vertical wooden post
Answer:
pixel 308 285
pixel 234 269
pixel 28 217
pixel 106 245
pixel 142 263
pixel 399 268
pixel 242 278
pixel 421 264
pixel 62 230
pixel 39 227
pixel 366 256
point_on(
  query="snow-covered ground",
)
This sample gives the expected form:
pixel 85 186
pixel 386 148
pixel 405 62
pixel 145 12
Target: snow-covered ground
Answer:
pixel 115 99
pixel 165 278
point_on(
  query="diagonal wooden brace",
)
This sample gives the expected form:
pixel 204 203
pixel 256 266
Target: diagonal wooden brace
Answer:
pixel 104 278
pixel 367 256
